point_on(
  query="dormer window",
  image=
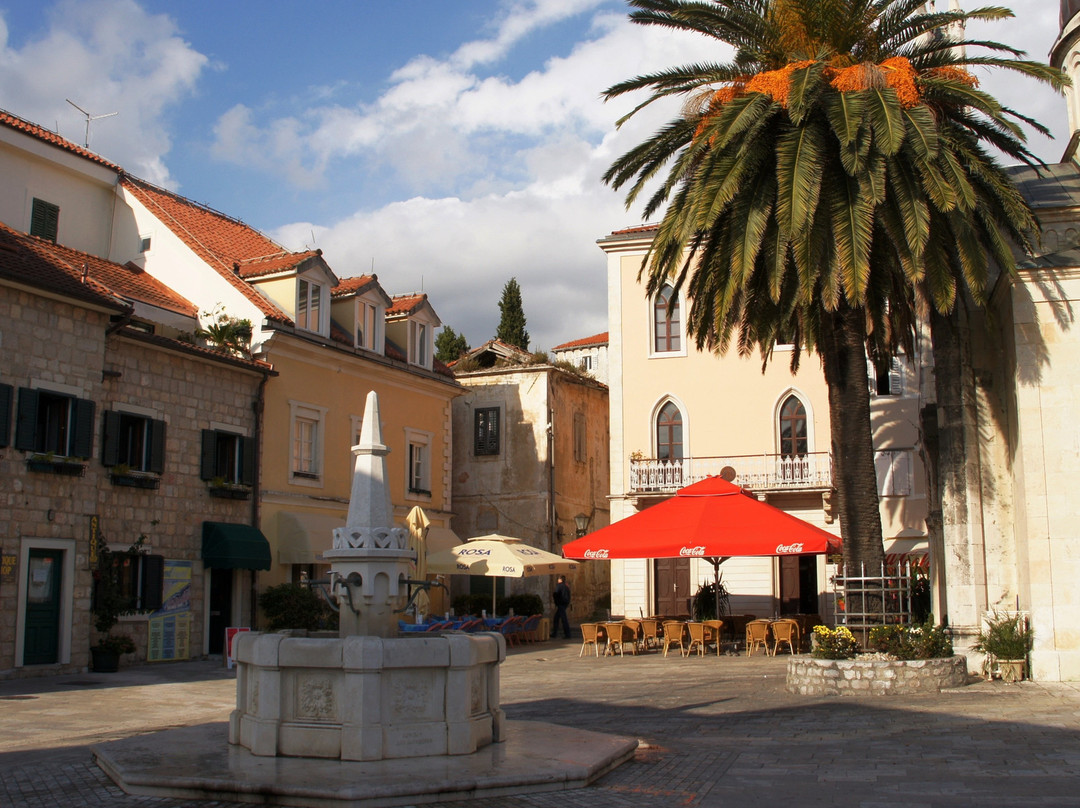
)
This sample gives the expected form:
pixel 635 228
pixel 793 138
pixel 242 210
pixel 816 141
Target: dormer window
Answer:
pixel 368 326
pixel 420 344
pixel 309 306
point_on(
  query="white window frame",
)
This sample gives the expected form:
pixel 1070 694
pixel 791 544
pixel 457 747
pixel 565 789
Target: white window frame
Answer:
pixel 416 485
pixel 808 407
pixel 369 318
pixel 308 292
pixel 681 300
pixel 421 343
pixel 301 413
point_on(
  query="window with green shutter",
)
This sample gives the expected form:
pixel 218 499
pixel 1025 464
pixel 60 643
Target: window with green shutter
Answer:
pixel 227 457
pixel 44 219
pixel 54 423
pixel 134 441
pixel 486 431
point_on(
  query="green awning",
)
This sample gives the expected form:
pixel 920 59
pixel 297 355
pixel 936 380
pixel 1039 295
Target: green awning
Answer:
pixel 230 546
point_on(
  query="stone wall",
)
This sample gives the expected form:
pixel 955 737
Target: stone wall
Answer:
pixel 808 676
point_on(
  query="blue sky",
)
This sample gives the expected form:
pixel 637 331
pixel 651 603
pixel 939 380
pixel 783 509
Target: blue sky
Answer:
pixel 448 144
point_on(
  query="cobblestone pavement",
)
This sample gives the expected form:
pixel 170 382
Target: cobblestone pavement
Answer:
pixel 714 732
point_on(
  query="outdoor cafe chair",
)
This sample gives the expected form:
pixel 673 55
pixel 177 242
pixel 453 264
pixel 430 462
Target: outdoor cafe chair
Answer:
pixel 784 630
pixel 713 633
pixel 593 635
pixel 619 635
pixel 757 636
pixel 650 632
pixel 639 638
pixel 529 628
pixel 696 632
pixel 673 635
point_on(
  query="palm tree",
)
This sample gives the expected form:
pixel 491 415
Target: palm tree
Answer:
pixel 832 182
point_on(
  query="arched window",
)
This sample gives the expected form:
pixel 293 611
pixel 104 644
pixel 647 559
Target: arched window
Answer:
pixel 667 329
pixel 793 440
pixel 669 433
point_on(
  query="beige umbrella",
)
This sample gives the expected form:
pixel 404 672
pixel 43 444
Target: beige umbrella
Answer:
pixel 417 522
pixel 498 556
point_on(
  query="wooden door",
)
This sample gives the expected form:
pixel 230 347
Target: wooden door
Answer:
pixel 221 600
pixel 671 579
pixel 789 584
pixel 41 644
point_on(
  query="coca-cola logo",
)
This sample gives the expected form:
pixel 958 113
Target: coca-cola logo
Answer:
pixel 789 549
pixel 692 551
pixel 597 554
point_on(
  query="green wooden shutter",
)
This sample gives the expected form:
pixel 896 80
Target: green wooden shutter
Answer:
pixel 157 447
pixel 151 582
pixel 209 455
pixel 7 393
pixel 110 446
pixel 44 220
pixel 247 463
pixel 26 420
pixel 82 440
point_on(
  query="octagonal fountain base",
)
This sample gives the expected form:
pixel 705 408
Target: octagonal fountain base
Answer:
pixel 367 698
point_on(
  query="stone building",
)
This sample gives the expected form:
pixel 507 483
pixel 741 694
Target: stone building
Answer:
pixel 530 461
pixel 102 409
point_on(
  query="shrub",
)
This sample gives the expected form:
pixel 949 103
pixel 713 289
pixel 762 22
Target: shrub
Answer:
pixel 705 601
pixel 525 604
pixel 295 606
pixel 1005 637
pixel 923 641
pixel 834 643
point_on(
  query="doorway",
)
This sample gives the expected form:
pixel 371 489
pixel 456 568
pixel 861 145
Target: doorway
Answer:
pixel 671 581
pixel 221 600
pixel 798 584
pixel 44 575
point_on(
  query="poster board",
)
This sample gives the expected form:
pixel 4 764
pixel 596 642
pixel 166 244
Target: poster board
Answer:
pixel 169 628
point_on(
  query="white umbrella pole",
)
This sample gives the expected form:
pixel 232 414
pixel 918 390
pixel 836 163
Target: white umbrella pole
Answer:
pixel 494 590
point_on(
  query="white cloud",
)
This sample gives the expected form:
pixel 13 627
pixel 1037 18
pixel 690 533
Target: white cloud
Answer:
pixel 106 56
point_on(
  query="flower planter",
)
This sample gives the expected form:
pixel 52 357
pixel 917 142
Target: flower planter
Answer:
pixel 66 468
pixel 808 676
pixel 135 481
pixel 221 492
pixel 1011 670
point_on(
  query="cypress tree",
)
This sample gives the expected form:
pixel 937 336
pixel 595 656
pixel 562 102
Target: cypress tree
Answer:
pixel 512 323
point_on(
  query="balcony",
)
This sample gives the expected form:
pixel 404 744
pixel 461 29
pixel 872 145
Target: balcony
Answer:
pixel 759 473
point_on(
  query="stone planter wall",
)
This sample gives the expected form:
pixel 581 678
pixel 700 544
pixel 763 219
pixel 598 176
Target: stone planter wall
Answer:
pixel 856 677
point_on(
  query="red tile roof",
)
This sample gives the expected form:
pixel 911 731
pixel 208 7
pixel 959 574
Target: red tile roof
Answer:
pixel 41 133
pixel 128 282
pixel 641 228
pixel 353 286
pixel 584 342
pixel 272 264
pixel 406 304
pixel 222 242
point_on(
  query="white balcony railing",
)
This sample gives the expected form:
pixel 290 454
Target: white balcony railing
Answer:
pixel 756 472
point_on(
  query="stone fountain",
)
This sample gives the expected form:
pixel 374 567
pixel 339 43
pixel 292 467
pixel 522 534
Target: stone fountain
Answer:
pixel 366 718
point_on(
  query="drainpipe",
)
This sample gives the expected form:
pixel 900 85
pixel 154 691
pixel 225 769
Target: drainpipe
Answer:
pixel 553 528
pixel 257 407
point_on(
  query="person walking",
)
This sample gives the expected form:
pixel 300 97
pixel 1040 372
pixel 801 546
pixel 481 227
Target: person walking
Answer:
pixel 562 603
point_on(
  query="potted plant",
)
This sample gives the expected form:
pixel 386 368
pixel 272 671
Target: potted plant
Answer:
pixel 109 603
pixel 1006 639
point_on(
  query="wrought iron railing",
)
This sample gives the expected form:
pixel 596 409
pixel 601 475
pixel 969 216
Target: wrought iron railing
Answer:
pixel 756 472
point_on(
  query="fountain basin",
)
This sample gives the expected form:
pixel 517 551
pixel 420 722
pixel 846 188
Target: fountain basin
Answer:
pixel 367 698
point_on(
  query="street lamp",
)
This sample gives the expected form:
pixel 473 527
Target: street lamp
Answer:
pixel 582 523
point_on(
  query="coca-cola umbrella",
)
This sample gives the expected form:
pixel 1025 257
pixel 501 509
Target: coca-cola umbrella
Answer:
pixel 498 557
pixel 712 519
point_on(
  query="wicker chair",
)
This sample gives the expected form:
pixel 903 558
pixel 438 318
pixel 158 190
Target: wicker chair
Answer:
pixel 757 636
pixel 650 632
pixel 593 635
pixel 639 633
pixel 784 631
pixel 713 634
pixel 673 635
pixel 697 633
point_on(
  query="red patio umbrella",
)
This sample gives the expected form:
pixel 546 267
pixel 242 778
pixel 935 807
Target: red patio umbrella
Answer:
pixel 711 518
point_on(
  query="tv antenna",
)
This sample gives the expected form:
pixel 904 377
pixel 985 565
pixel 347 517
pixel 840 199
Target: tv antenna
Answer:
pixel 89 118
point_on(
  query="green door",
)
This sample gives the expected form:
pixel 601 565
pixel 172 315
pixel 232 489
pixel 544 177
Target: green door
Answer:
pixel 41 644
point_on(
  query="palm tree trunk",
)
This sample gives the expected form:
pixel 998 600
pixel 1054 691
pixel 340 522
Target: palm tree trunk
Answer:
pixel 844 357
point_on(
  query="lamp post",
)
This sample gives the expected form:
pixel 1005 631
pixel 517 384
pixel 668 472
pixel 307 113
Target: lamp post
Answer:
pixel 581 521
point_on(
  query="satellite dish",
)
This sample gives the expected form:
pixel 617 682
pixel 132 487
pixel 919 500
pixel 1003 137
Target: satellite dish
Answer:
pixel 728 473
